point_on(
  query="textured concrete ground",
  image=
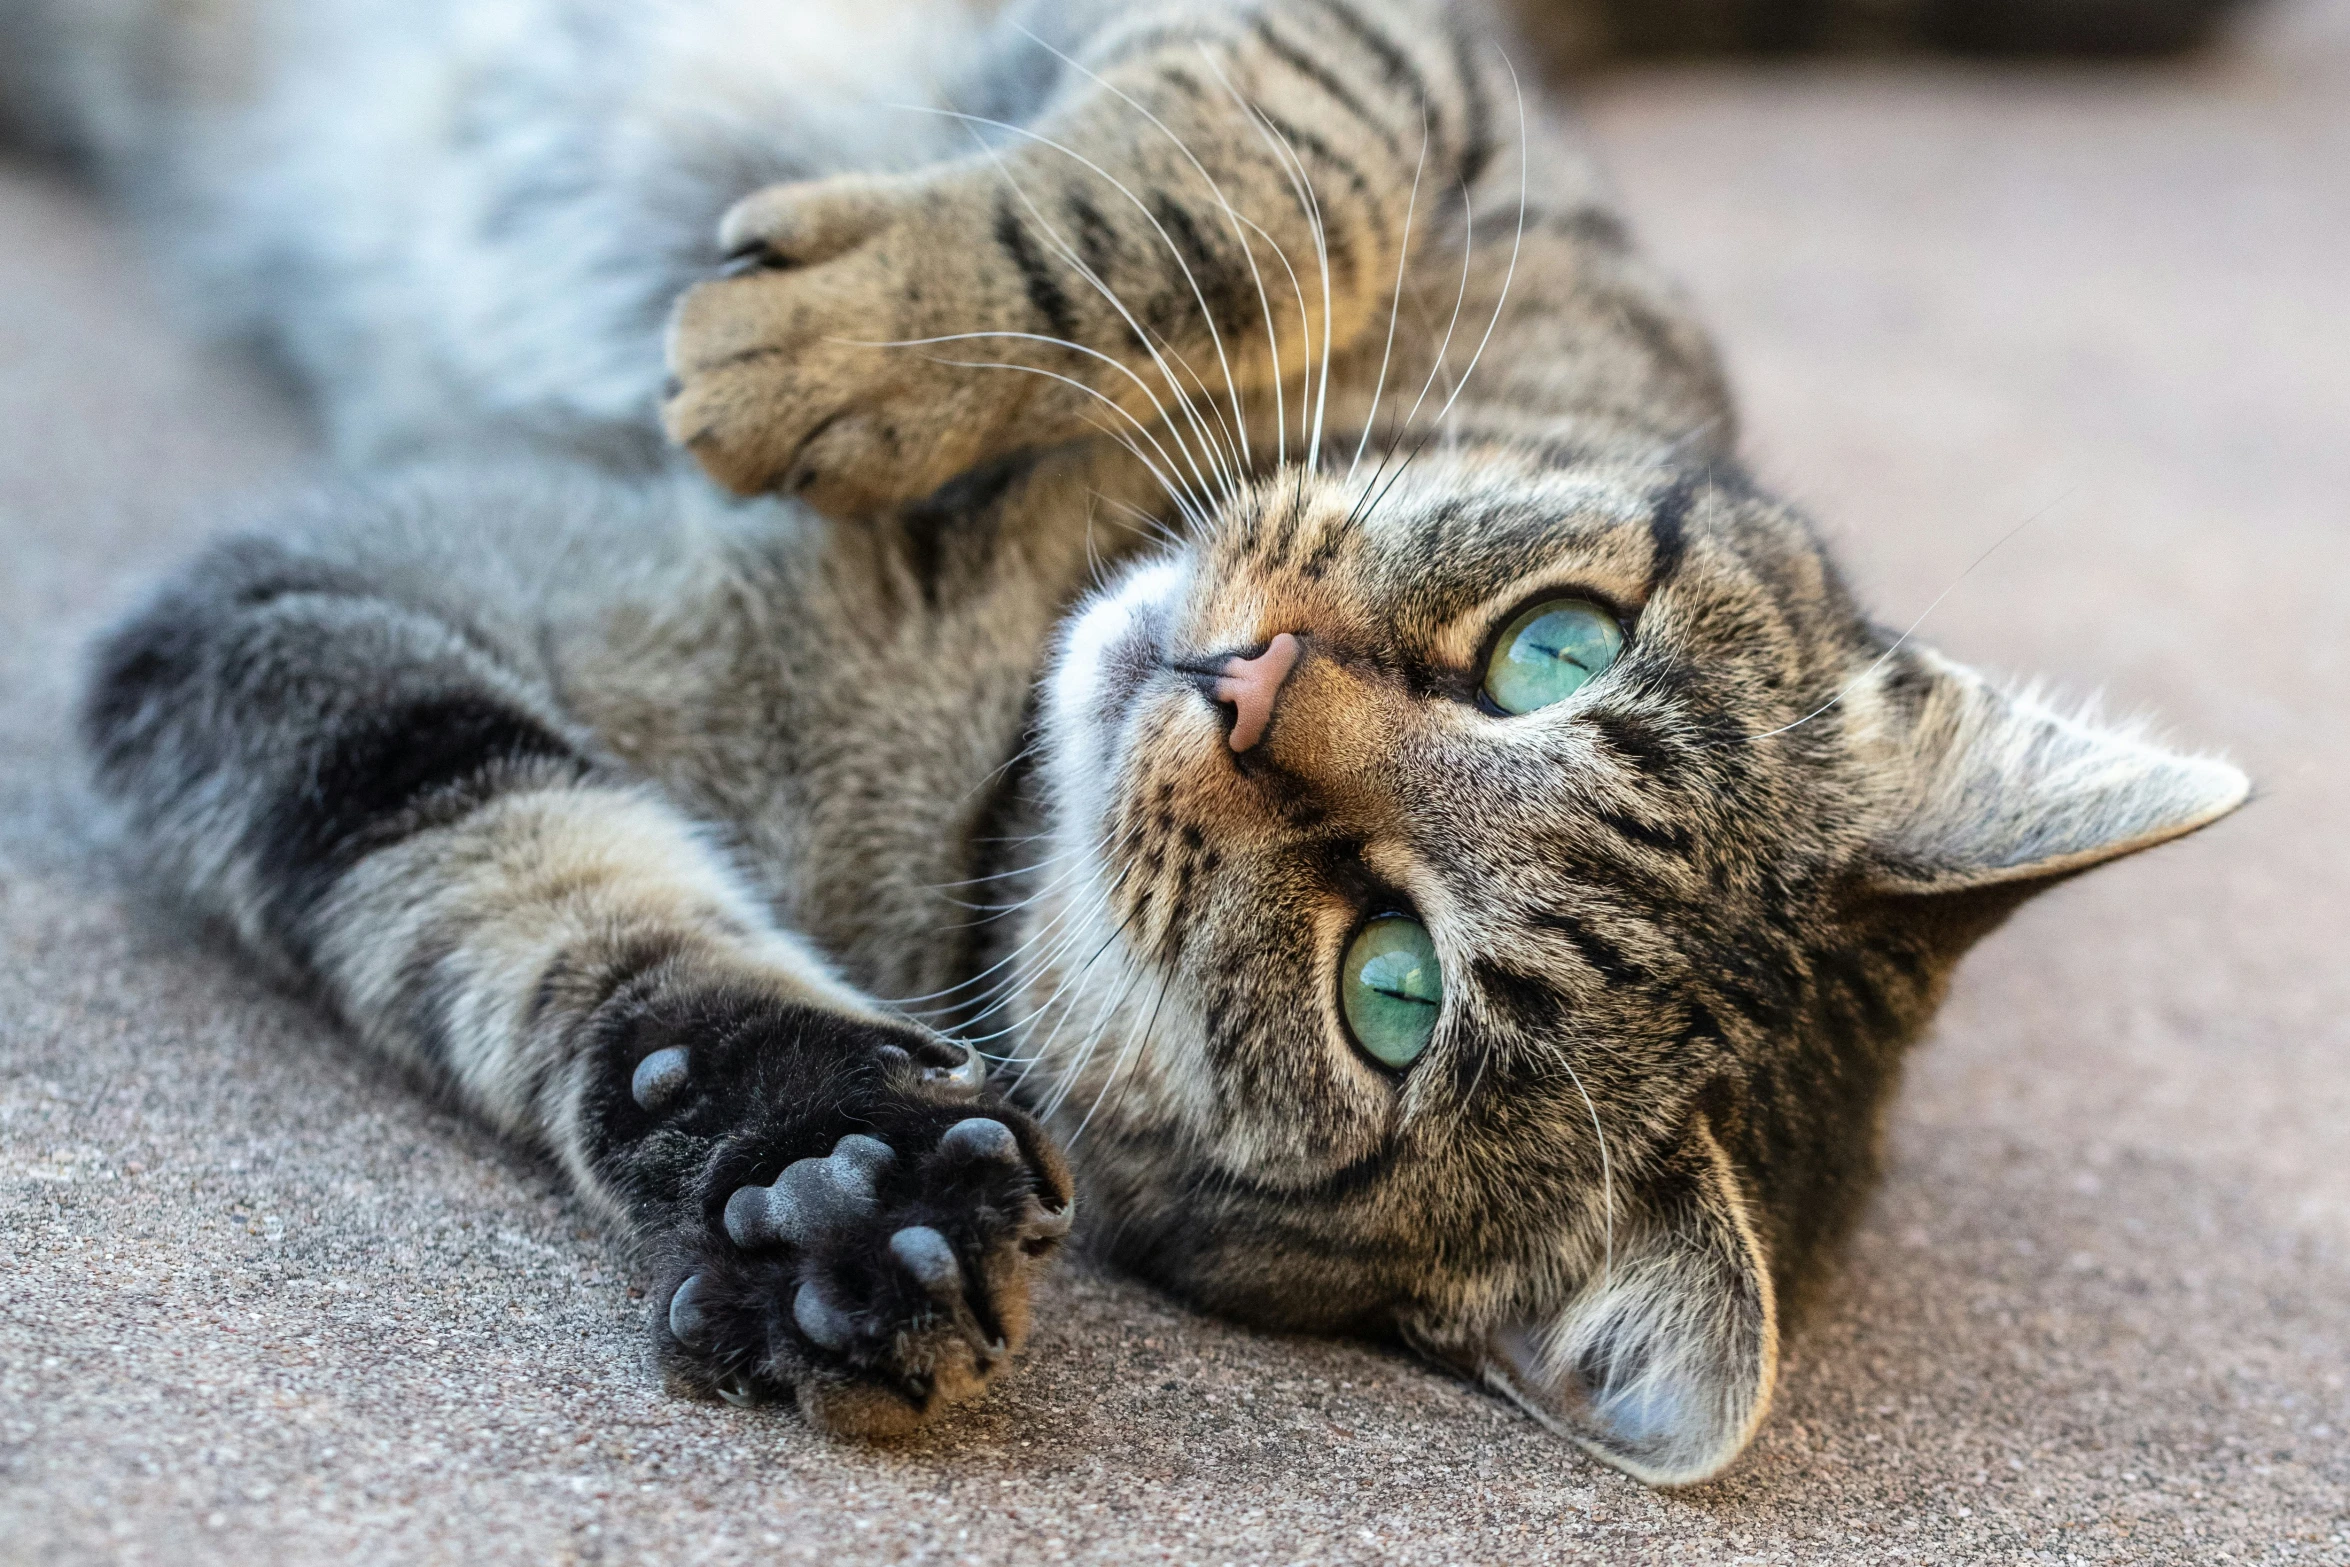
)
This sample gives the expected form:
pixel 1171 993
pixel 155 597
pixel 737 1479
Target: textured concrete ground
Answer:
pixel 260 1302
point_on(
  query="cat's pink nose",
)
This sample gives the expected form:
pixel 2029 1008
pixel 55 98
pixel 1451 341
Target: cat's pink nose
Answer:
pixel 1251 684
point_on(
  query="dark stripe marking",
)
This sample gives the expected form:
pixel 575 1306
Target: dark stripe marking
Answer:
pixel 1528 1003
pixel 384 774
pixel 1667 529
pixel 1097 237
pixel 1477 134
pixel 1637 744
pixel 1314 71
pixel 1666 839
pixel 1394 64
pixel 1602 955
pixel 1045 293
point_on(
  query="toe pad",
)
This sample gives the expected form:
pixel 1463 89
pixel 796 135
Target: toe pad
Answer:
pixel 811 1196
pixel 980 1138
pixel 926 1255
pixel 659 1077
pixel 686 1317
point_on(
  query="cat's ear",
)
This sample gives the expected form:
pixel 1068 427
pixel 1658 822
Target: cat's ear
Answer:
pixel 1998 788
pixel 1662 1364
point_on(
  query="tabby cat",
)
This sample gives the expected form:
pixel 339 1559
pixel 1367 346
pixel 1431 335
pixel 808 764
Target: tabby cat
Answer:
pixel 1239 661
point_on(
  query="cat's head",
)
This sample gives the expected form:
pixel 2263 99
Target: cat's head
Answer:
pixel 1493 913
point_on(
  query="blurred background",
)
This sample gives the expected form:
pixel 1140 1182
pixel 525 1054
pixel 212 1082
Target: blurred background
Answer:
pixel 265 1302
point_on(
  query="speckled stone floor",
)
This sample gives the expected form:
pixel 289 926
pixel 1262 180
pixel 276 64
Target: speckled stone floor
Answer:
pixel 260 1302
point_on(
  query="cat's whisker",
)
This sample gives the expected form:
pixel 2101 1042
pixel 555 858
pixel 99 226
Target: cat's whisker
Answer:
pixel 1301 190
pixel 1501 301
pixel 1134 1050
pixel 1041 893
pixel 1517 244
pixel 1672 451
pixel 1310 407
pixel 1190 504
pixel 1014 873
pixel 1004 991
pixel 1373 492
pixel 1072 1076
pixel 1150 524
pixel 1272 333
pixel 1190 459
pixel 1072 986
pixel 1069 254
pixel 1372 503
pixel 1153 343
pixel 1028 966
pixel 1394 304
pixel 1239 425
pixel 1068 1075
pixel 998 771
pixel 1460 302
pixel 1607 1175
pixel 1014 956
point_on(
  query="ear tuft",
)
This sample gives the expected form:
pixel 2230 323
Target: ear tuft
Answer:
pixel 1663 1364
pixel 2002 787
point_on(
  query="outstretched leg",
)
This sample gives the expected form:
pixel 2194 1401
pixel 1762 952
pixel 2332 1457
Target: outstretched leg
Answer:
pixel 358 758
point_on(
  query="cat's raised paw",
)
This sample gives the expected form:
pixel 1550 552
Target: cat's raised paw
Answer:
pixel 818 363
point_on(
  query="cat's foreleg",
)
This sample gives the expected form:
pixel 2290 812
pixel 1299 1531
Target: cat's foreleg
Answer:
pixel 385 802
pixel 1202 204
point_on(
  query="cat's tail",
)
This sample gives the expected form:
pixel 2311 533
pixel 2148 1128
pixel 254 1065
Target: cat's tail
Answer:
pixel 1583 32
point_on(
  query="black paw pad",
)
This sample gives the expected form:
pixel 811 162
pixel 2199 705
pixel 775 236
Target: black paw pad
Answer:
pixel 811 1197
pixel 980 1139
pixel 820 1318
pixel 873 1284
pixel 688 1322
pixel 928 1258
pixel 659 1078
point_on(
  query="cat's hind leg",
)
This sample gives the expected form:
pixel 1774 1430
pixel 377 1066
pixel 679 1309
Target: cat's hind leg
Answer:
pixel 363 767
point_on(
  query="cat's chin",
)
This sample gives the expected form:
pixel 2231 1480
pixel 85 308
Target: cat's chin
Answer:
pixel 1111 646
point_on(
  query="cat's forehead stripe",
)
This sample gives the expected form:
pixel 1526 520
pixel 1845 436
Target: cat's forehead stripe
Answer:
pixel 1668 530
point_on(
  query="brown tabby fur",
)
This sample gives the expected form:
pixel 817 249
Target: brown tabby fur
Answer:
pixel 643 819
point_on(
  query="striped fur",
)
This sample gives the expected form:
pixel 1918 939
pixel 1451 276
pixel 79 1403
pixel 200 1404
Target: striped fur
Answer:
pixel 648 819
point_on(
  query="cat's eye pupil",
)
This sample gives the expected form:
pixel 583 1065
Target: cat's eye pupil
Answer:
pixel 1390 989
pixel 1549 652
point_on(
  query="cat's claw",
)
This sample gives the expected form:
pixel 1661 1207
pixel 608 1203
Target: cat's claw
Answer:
pixel 738 1391
pixel 967 1076
pixel 970 1075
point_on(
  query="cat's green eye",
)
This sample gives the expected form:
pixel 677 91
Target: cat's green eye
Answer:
pixel 1389 989
pixel 1549 652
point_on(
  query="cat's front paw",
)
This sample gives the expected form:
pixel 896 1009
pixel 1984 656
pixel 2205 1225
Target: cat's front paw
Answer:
pixel 812 366
pixel 875 1283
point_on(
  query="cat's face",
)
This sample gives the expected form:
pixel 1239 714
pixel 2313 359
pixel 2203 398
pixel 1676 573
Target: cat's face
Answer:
pixel 1515 951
